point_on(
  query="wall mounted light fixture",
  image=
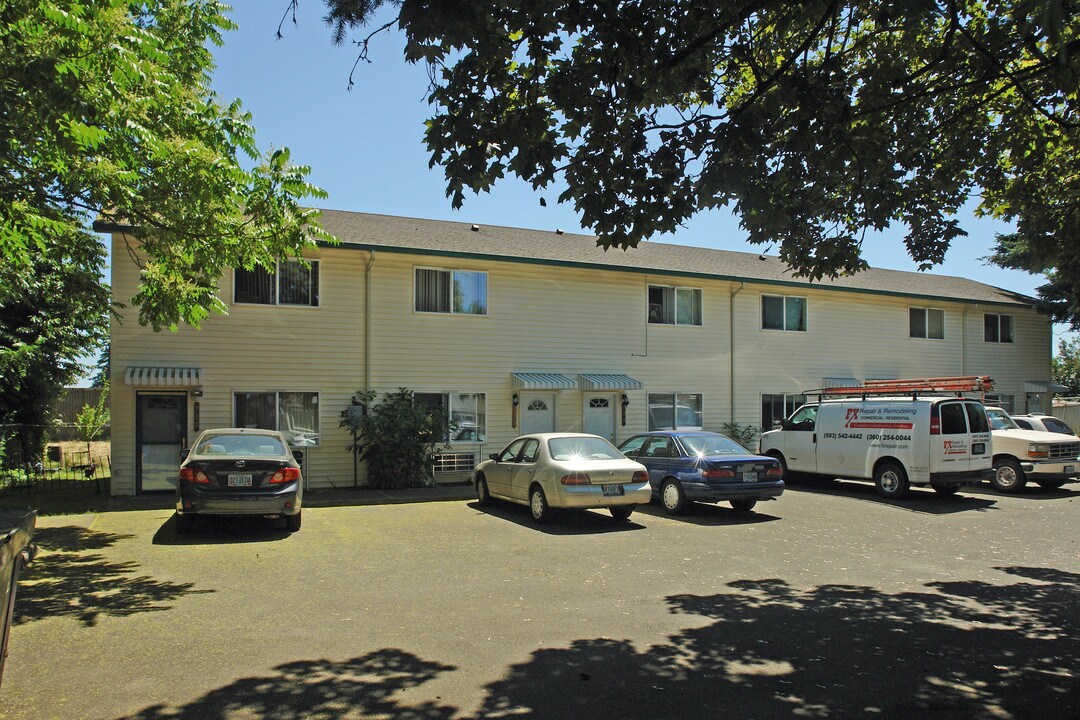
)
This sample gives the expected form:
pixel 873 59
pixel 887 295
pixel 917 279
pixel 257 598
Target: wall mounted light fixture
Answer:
pixel 625 402
pixel 514 410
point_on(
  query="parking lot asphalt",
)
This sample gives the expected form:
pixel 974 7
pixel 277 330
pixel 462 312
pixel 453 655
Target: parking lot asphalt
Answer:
pixel 829 602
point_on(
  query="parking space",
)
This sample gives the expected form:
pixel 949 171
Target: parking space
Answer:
pixel 830 602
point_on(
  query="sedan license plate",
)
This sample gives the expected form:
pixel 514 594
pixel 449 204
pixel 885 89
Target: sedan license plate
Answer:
pixel 749 476
pixel 612 490
pixel 236 480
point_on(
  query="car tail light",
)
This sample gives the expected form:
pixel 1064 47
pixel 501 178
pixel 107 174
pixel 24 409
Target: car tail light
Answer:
pixel 285 474
pixel 576 478
pixel 194 475
pixel 774 471
pixel 935 423
pixel 718 473
pixel 641 476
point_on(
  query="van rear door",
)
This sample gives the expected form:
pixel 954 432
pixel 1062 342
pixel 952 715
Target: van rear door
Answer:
pixel 950 438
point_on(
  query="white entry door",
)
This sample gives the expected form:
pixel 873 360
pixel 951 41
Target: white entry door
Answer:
pixel 537 413
pixel 600 415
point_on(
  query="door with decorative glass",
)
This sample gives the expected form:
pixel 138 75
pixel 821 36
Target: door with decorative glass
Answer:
pixel 160 433
pixel 538 415
pixel 600 416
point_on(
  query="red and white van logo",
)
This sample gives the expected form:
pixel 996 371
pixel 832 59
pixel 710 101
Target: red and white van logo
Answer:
pixel 852 415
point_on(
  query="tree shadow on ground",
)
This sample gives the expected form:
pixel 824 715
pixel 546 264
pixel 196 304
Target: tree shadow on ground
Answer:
pixel 69 579
pixel 359 687
pixel 767 649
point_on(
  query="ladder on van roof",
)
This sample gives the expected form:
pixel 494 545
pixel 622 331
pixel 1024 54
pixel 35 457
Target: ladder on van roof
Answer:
pixel 916 386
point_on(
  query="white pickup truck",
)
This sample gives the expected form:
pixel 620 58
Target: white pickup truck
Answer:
pixel 1050 459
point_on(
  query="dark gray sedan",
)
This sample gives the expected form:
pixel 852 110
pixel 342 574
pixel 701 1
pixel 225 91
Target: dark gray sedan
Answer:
pixel 239 471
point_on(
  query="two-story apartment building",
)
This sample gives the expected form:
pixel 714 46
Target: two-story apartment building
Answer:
pixel 513 330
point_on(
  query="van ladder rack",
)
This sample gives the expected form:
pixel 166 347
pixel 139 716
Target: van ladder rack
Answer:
pixel 925 386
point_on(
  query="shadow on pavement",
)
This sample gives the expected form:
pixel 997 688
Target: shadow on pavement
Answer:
pixel 70 579
pixel 714 514
pixel 761 648
pixel 921 500
pixel 562 522
pixel 223 530
pixel 1030 491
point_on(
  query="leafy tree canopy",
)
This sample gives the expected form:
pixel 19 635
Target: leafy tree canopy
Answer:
pixel 815 121
pixel 1065 367
pixel 105 110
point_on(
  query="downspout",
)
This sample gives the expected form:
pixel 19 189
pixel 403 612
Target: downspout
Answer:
pixel 963 343
pixel 731 347
pixel 367 320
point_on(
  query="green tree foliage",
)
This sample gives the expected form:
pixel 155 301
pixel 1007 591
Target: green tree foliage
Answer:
pixel 106 112
pixel 1066 366
pixel 397 438
pixel 93 419
pixel 815 121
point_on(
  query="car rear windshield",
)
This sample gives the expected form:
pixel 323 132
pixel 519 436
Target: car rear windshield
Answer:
pixel 712 445
pixel 582 448
pixel 226 444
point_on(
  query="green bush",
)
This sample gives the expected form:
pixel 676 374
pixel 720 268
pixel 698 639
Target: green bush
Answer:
pixel 397 438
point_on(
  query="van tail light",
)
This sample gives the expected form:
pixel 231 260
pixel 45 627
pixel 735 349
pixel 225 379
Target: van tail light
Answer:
pixel 641 476
pixel 935 423
pixel 774 471
pixel 285 474
pixel 194 475
pixel 718 473
pixel 576 478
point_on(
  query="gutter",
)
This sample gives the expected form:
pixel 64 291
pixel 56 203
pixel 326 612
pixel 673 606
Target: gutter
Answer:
pixel 367 321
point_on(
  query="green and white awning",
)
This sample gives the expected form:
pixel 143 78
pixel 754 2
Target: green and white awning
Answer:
pixel 541 381
pixel 608 381
pixel 163 376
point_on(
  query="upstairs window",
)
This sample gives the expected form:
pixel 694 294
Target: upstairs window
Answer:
pixel 674 305
pixel 459 292
pixel 997 328
pixel 783 312
pixel 926 323
pixel 292 283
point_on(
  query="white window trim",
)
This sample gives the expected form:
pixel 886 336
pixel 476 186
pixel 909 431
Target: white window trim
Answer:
pixel 676 288
pixel 277 289
pixel 761 320
pixel 675 409
pixel 449 395
pixel 277 406
pixel 451 271
pixel 926 323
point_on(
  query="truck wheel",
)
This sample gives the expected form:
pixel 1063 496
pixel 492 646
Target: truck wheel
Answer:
pixel 1008 476
pixel 891 481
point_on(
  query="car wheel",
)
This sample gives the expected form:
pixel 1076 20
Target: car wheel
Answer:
pixel 672 496
pixel 945 490
pixel 743 506
pixel 622 512
pixel 1008 476
pixel 482 495
pixel 185 524
pixel 538 505
pixel 1051 484
pixel 891 481
pixel 292 522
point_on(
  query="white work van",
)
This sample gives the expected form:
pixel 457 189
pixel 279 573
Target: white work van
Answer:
pixel 897 442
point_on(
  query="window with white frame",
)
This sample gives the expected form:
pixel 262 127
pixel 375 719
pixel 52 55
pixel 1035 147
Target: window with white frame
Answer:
pixel 460 292
pixel 776 407
pixel 997 328
pixel 292 283
pixel 674 305
pixel 293 414
pixel 783 312
pixel 675 411
pixel 928 323
pixel 467 413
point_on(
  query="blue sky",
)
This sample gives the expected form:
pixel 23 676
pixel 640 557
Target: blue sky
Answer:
pixel 365 145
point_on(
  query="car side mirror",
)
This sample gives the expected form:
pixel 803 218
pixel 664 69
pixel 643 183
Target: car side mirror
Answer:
pixel 184 452
pixel 494 456
pixel 780 425
pixel 298 454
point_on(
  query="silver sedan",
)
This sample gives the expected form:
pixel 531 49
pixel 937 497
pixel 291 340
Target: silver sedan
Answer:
pixel 563 470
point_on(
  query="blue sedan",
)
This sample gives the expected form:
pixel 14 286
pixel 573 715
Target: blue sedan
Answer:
pixel 693 465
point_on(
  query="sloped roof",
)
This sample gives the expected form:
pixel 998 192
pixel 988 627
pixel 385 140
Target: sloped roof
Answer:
pixel 457 239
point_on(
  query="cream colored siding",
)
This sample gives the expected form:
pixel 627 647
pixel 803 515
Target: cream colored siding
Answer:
pixel 546 317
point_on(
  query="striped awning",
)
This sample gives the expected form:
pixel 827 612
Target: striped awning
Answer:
pixel 608 381
pixel 159 376
pixel 1035 386
pixel 541 381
